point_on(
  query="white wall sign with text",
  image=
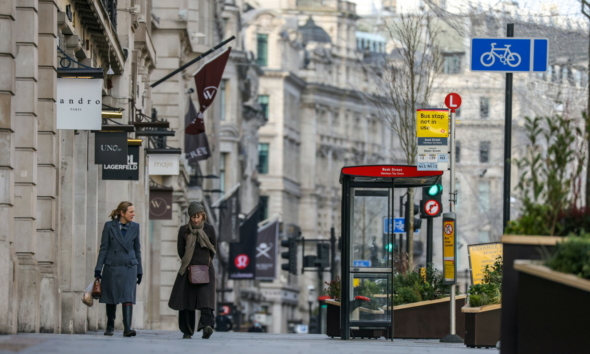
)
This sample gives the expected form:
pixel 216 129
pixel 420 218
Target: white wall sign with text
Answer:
pixel 163 164
pixel 79 104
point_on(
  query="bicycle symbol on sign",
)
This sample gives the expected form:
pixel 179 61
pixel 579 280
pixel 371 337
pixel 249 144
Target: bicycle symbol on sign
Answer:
pixel 508 58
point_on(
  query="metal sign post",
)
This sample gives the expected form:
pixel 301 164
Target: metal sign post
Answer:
pixel 449 230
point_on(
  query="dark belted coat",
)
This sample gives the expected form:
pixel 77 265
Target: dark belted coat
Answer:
pixel 187 296
pixel 121 258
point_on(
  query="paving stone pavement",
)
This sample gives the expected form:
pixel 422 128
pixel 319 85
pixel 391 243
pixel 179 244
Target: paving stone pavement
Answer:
pixel 222 343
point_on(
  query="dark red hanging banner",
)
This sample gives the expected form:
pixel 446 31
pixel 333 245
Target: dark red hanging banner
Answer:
pixel 207 80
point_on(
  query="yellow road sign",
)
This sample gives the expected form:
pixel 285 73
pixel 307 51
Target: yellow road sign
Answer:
pixel 480 256
pixel 449 250
pixel 432 123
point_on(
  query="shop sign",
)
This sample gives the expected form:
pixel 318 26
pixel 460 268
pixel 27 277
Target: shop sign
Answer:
pixel 163 165
pixel 161 204
pixel 127 172
pixel 79 104
pixel 110 148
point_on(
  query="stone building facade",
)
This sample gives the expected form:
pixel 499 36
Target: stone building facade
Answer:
pixel 53 200
pixel 319 120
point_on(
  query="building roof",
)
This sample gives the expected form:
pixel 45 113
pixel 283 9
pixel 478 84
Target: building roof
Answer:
pixel 310 32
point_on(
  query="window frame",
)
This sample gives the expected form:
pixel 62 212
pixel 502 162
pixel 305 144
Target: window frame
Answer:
pixel 262 49
pixel 484 151
pixel 263 166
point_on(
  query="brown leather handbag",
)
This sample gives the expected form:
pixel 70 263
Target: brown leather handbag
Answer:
pixel 96 289
pixel 199 274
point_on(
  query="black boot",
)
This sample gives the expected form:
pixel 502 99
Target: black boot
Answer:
pixel 127 316
pixel 111 314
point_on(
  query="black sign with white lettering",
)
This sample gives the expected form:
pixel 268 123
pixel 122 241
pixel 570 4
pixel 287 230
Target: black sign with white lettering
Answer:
pixel 110 148
pixel 128 172
pixel 161 204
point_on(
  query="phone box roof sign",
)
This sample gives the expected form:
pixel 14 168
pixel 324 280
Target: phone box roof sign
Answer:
pixel 387 171
pixel 163 165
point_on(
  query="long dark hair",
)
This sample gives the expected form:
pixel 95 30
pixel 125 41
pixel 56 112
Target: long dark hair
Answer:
pixel 122 208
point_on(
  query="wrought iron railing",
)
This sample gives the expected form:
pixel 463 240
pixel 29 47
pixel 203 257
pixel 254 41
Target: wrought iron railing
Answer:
pixel 111 7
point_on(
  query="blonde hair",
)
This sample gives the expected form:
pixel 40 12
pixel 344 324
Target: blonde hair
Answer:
pixel 122 208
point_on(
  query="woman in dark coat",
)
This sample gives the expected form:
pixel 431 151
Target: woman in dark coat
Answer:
pixel 119 260
pixel 197 245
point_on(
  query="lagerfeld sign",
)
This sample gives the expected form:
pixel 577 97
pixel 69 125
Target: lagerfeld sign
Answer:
pixel 79 104
pixel 128 172
pixel 163 164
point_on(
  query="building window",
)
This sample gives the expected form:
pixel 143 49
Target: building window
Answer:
pixel 458 112
pixel 263 158
pixel 222 94
pixel 483 190
pixel 457 151
pixel 452 64
pixel 263 205
pixel 484 151
pixel 262 50
pixel 263 101
pixel 483 236
pixel 222 164
pixel 484 107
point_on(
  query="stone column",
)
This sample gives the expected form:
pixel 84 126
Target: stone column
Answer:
pixel 8 259
pixel 47 165
pixel 25 191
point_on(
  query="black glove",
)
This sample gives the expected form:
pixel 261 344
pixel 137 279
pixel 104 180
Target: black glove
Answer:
pixel 139 278
pixel 97 274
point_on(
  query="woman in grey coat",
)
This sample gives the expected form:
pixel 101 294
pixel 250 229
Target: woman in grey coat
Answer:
pixel 119 260
pixel 197 245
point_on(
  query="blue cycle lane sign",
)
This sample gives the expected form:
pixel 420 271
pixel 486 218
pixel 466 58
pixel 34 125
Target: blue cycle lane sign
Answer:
pixel 509 54
pixel 394 226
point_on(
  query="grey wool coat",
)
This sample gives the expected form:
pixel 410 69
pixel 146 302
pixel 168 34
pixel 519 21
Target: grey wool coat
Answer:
pixel 188 296
pixel 121 258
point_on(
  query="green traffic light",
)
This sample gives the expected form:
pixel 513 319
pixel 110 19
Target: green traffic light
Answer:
pixel 435 190
pixel 389 247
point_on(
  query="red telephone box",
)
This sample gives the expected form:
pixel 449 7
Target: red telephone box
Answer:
pixel 367 228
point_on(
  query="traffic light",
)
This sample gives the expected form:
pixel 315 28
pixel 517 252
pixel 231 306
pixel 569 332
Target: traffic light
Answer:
pixel 290 255
pixel 323 259
pixel 417 222
pixel 431 203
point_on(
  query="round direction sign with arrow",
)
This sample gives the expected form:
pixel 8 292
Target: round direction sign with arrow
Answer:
pixel 432 207
pixel 453 101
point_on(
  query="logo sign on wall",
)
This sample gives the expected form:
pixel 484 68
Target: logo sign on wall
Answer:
pixel 161 204
pixel 79 104
pixel 128 172
pixel 163 165
pixel 110 148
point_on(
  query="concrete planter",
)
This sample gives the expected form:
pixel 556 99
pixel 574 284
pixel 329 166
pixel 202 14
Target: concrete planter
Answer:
pixel 517 247
pixel 553 311
pixel 482 325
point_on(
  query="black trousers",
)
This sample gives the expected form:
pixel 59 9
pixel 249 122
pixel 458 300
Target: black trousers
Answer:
pixel 186 320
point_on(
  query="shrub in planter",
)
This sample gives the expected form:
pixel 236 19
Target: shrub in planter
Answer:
pixel 334 288
pixel 414 286
pixel 572 256
pixel 489 292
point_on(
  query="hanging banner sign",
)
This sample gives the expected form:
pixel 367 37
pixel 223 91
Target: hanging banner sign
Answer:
pixel 79 104
pixel 242 254
pixel 449 249
pixel 163 165
pixel 161 204
pixel 110 148
pixel 128 172
pixel 266 251
pixel 481 256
